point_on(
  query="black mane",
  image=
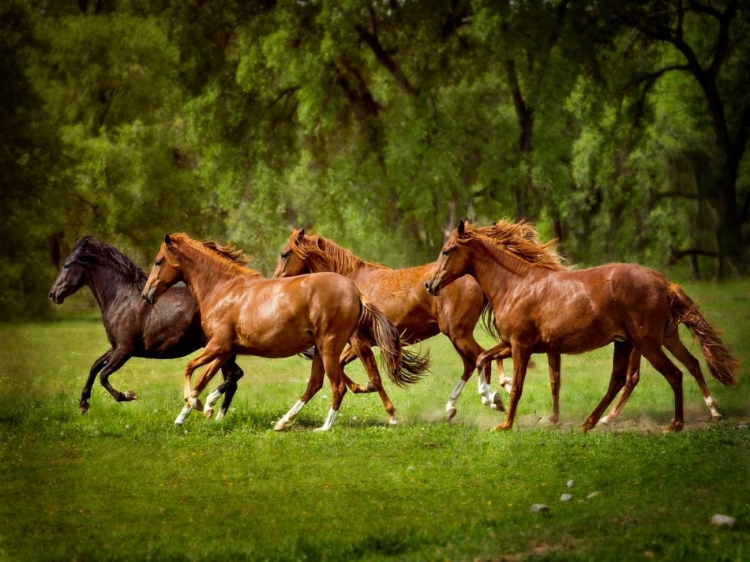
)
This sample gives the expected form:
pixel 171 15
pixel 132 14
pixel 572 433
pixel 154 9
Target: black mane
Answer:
pixel 89 250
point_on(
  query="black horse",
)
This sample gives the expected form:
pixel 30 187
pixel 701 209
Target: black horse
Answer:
pixel 169 329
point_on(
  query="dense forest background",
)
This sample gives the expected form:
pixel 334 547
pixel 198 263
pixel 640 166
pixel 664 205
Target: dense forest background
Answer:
pixel 618 127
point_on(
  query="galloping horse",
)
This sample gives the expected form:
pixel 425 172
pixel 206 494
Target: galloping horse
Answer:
pixel 243 313
pixel 399 294
pixel 542 310
pixel 173 329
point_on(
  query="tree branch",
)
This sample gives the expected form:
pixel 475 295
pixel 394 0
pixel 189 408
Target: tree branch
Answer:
pixel 282 94
pixel 679 254
pixel 722 43
pixel 385 59
pixel 652 77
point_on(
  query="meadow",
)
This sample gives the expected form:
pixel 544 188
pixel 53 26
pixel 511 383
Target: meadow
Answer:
pixel 123 483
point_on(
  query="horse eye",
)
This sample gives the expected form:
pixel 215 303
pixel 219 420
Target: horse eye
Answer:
pixel 284 255
pixel 446 252
pixel 66 266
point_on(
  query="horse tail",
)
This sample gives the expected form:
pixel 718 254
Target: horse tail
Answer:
pixel 402 365
pixel 720 360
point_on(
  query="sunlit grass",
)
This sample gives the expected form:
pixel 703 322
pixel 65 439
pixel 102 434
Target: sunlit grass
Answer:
pixel 123 483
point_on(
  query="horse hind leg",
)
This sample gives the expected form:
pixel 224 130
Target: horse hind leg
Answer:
pixel 336 379
pixel 365 354
pixel 113 363
pixel 208 354
pixel 632 379
pixel 616 382
pixel 674 344
pixel 314 384
pixel 656 356
pixel 347 357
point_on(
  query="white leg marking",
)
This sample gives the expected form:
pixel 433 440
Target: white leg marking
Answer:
pixel 712 405
pixel 450 407
pixel 289 416
pixel 604 420
pixel 329 421
pixel 213 398
pixel 183 415
pixel 489 398
pixel 220 415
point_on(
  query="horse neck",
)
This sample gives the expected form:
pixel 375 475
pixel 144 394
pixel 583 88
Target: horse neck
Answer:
pixel 110 287
pixel 203 273
pixel 496 271
pixel 317 263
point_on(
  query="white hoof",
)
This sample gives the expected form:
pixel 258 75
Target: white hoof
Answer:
pixel 605 420
pixel 280 425
pixel 450 413
pixel 220 415
pixel 393 421
pixel 320 429
pixel 212 399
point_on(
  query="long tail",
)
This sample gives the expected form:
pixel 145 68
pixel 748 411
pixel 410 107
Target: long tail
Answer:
pixel 720 360
pixel 402 365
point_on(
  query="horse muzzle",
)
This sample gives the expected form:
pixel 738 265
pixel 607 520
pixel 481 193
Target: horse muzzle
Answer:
pixel 149 295
pixel 432 287
pixel 55 297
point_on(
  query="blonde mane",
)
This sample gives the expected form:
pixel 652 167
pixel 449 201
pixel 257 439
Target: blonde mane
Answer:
pixel 338 259
pixel 228 255
pixel 521 240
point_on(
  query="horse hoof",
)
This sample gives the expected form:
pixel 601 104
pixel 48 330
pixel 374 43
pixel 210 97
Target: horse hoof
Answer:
pixel 130 395
pixel 497 403
pixel 585 428
pixel 393 421
pixel 323 429
pixel 280 425
pixel 673 428
pixel 716 417
pixel 548 421
pixel 606 420
pixel 220 415
pixel 208 412
pixel 84 407
pixel 450 413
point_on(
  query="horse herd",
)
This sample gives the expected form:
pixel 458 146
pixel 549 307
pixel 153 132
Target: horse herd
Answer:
pixel 327 303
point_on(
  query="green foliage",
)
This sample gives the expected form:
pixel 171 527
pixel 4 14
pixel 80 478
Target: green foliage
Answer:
pixel 379 125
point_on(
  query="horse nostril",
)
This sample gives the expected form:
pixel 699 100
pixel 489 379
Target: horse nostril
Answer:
pixel 426 285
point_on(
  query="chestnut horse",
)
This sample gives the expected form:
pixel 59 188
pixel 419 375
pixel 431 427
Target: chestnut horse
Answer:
pixel 539 309
pixel 243 313
pixel 399 294
pixel 173 329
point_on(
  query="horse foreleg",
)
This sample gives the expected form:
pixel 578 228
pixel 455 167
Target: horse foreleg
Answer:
pixel 114 362
pixel 620 362
pixel 521 356
pixel 95 368
pixel 500 351
pixel 206 356
pixel 317 373
pixel 202 382
pixel 232 373
pixel 634 375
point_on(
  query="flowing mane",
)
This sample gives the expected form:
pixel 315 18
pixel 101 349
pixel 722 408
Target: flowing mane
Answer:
pixel 228 255
pixel 91 251
pixel 338 259
pixel 521 240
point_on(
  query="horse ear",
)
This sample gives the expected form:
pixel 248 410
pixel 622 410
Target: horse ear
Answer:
pixel 83 241
pixel 301 234
pixel 167 239
pixel 461 228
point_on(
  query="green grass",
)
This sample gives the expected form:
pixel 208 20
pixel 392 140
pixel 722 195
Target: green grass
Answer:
pixel 122 483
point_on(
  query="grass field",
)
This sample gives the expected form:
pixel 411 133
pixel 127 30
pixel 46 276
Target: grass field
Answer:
pixel 122 483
